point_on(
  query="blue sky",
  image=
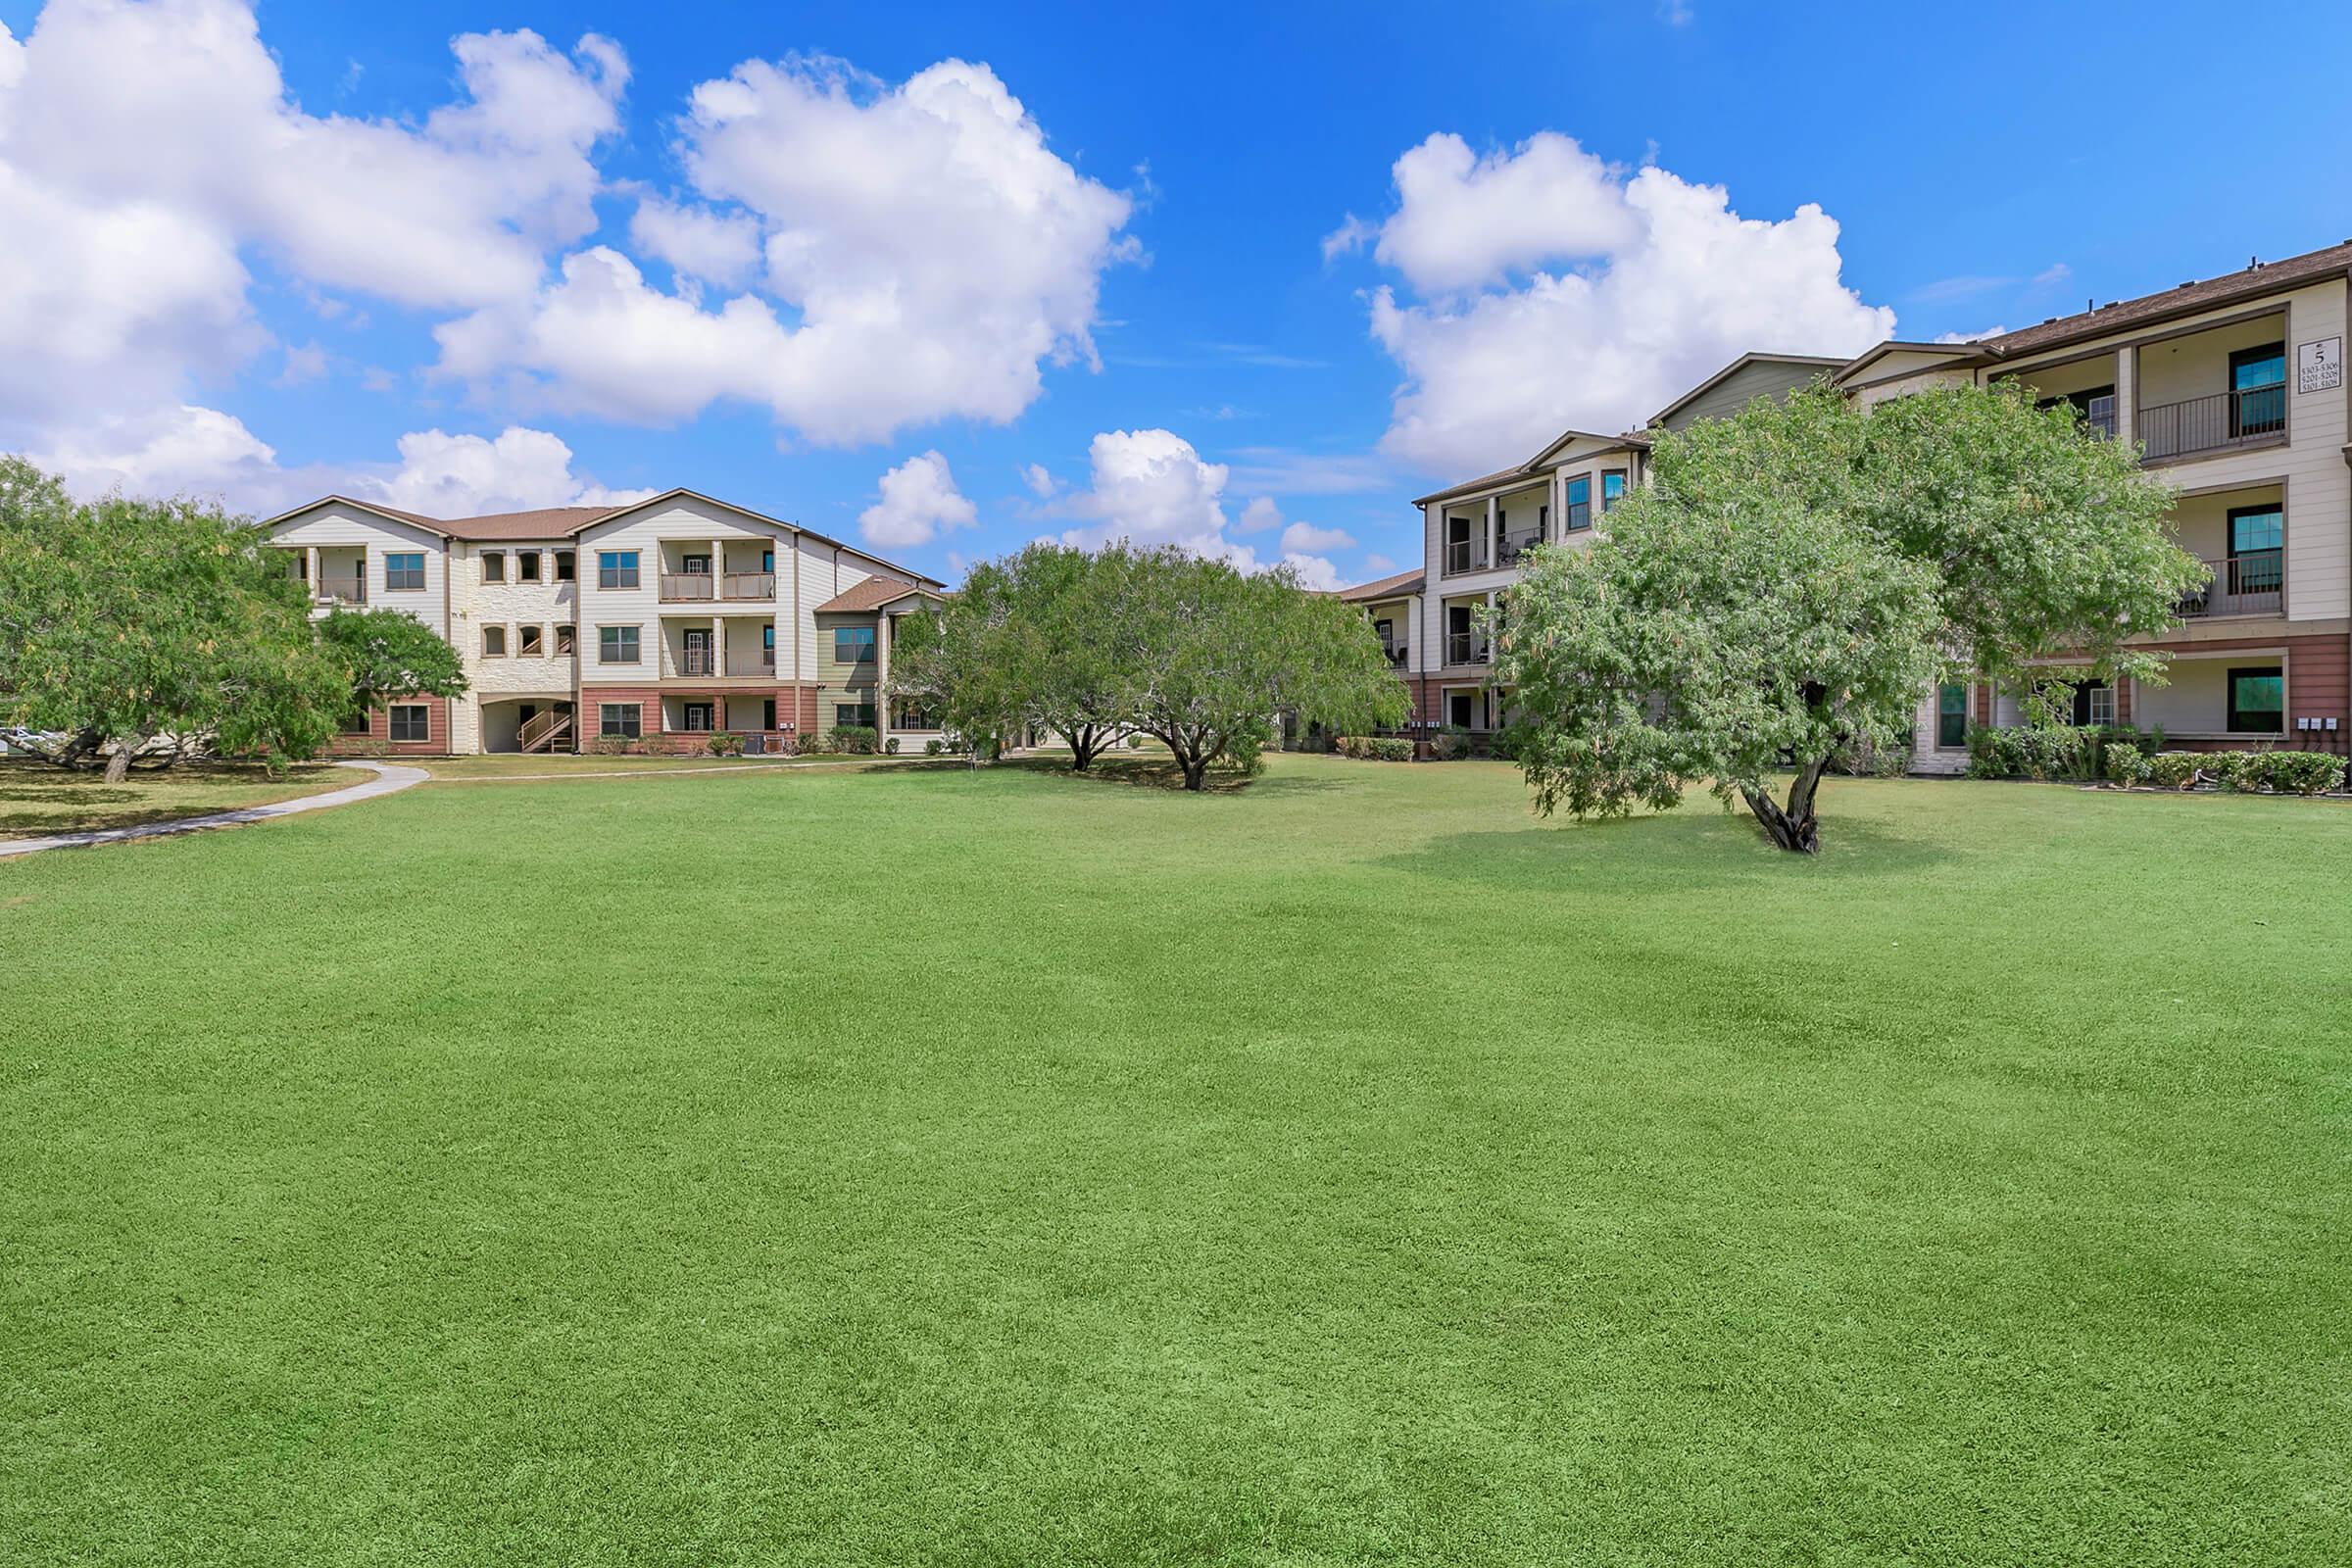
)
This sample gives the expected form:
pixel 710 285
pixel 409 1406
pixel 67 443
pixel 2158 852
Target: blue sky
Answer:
pixel 1190 344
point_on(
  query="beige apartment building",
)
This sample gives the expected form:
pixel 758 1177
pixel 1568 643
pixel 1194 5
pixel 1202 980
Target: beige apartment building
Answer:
pixel 2233 388
pixel 661 623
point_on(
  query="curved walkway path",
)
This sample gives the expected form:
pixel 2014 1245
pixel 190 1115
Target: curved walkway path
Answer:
pixel 390 778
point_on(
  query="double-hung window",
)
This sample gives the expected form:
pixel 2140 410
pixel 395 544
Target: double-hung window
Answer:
pixel 526 565
pixel 1580 504
pixel 853 645
pixel 404 572
pixel 616 569
pixel 494 565
pixel 1612 487
pixel 2258 390
pixel 412 721
pixel 617 644
pixel 1951 716
pixel 619 719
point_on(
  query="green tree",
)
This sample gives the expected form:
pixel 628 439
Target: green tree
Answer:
pixel 1061 641
pixel 1209 657
pixel 959 664
pixel 390 652
pixel 1796 575
pixel 148 630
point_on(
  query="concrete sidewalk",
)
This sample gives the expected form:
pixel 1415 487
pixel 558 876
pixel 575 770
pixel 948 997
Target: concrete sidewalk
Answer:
pixel 390 778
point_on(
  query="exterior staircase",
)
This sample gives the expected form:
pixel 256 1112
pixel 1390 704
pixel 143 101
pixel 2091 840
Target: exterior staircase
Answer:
pixel 550 731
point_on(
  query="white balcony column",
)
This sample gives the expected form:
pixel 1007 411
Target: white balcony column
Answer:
pixel 310 551
pixel 2127 395
pixel 1493 529
pixel 882 632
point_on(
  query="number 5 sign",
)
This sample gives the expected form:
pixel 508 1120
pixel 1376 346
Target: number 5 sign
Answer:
pixel 2320 365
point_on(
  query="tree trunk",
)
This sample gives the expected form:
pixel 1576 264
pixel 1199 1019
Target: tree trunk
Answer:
pixel 1794 827
pixel 1085 745
pixel 1195 771
pixel 118 767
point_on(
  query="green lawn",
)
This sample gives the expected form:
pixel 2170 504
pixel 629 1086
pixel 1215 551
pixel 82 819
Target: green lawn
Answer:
pixel 929 1166
pixel 37 800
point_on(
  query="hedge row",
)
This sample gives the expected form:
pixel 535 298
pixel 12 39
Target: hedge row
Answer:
pixel 1374 748
pixel 2248 772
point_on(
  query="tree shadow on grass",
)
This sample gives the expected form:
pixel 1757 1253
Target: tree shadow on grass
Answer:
pixel 1691 848
pixel 1136 772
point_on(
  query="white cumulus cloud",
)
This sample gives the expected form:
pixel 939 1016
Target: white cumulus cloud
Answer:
pixel 1150 487
pixel 1550 291
pixel 930 250
pixel 1303 538
pixel 442 475
pixel 918 500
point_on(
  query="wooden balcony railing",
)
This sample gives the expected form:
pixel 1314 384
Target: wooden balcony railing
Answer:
pixel 688 586
pixel 345 590
pixel 2213 424
pixel 748 585
pixel 756 662
pixel 2252 582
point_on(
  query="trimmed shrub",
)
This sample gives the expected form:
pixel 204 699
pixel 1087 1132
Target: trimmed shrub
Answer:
pixel 611 745
pixel 2229 769
pixel 852 740
pixel 722 744
pixel 2295 772
pixel 1450 744
pixel 932 748
pixel 2172 770
pixel 891 745
pixel 2126 765
pixel 1374 748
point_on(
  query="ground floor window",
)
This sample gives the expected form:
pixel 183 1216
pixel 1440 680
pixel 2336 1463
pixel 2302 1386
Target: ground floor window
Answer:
pixel 411 721
pixel 694 716
pixel 1951 714
pixel 858 714
pixel 909 715
pixel 767 713
pixel 619 719
pixel 1461 709
pixel 356 723
pixel 2258 699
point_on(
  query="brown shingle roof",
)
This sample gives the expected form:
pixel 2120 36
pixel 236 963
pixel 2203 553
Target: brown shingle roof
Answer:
pixel 1404 582
pixel 2246 283
pixel 547 522
pixel 871 594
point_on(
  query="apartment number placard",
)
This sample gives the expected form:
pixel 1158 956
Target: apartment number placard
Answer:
pixel 2320 365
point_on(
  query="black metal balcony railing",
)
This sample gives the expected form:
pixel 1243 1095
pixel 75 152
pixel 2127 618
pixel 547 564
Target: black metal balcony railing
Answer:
pixel 695 661
pixel 1465 555
pixel 2252 582
pixel 2213 424
pixel 1394 652
pixel 1515 544
pixel 1466 647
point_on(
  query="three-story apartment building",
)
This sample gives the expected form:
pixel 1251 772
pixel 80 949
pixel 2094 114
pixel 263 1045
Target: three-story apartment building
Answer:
pixel 661 623
pixel 2232 387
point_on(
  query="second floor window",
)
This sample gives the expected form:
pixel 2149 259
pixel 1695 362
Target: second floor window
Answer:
pixel 526 566
pixel 853 645
pixel 566 564
pixel 404 572
pixel 616 569
pixel 617 644
pixel 1612 488
pixel 1580 504
pixel 494 567
pixel 494 642
pixel 2258 384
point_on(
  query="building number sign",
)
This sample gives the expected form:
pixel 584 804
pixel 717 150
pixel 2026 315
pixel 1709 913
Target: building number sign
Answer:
pixel 2320 365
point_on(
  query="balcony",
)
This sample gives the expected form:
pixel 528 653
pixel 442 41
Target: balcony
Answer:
pixel 752 662
pixel 2219 423
pixel 342 590
pixel 1465 555
pixel 1467 648
pixel 1515 544
pixel 1396 654
pixel 2252 582
pixel 688 587
pixel 746 585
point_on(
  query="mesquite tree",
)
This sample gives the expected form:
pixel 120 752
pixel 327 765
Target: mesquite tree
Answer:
pixel 390 652
pixel 1211 656
pixel 147 630
pixel 1796 575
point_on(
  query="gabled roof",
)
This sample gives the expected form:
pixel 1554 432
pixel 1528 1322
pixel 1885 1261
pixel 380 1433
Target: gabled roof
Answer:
pixel 1629 441
pixel 872 594
pixel 1818 362
pixel 1946 353
pixel 565 523
pixel 1404 582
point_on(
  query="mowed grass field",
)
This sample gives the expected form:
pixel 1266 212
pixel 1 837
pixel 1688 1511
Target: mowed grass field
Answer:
pixel 929 1166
